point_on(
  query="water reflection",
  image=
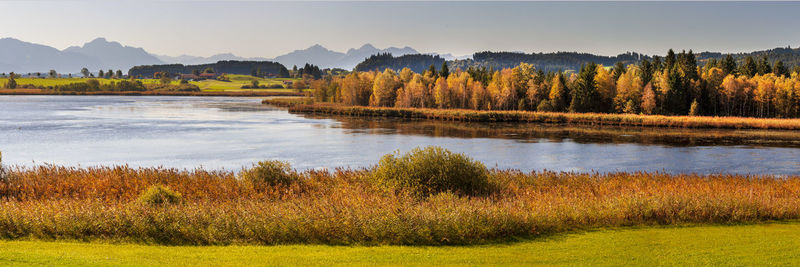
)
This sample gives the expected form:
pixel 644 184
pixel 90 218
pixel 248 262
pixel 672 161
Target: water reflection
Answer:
pixel 229 133
pixel 531 133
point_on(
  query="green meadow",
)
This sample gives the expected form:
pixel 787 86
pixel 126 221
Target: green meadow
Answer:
pixel 235 84
pixel 774 244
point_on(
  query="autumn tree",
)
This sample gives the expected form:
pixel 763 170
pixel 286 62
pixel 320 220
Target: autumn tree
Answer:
pixel 649 100
pixel 384 89
pixel 356 89
pixel 559 94
pixel 606 90
pixel 12 82
pixel 629 91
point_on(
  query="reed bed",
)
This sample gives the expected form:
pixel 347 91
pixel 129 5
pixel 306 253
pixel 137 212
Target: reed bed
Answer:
pixel 598 119
pixel 347 207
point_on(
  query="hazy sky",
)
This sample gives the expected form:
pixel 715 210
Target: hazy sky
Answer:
pixel 268 29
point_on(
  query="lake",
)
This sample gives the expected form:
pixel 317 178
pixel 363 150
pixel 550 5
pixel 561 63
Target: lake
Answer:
pixel 231 133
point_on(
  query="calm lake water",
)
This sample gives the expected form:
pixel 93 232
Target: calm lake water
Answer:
pixel 229 133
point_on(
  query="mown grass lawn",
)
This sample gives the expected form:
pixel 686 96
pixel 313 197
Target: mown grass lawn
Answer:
pixel 774 244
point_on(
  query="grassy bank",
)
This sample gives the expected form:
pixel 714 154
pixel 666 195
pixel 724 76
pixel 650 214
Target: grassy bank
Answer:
pixel 417 199
pixel 574 133
pixel 548 117
pixel 235 86
pixel 776 244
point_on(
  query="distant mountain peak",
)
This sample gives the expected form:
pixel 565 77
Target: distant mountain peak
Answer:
pixel 101 41
pixel 112 54
pixel 367 46
pixel 317 47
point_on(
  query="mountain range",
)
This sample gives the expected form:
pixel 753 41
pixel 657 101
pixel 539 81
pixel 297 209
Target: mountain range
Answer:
pixel 25 57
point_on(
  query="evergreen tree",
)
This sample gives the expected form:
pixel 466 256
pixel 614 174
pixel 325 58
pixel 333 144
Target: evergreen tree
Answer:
pixel 676 96
pixel 779 69
pixel 670 60
pixel 764 66
pixel 647 70
pixel 445 72
pixel 584 93
pixel 100 74
pixel 728 65
pixel 749 67
pixel 688 65
pixel 657 65
pixel 284 73
pixel 432 71
pixel 619 69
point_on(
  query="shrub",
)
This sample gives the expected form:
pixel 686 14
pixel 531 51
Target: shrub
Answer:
pixel 545 106
pixel 159 194
pixel 270 172
pixel 432 170
pixel 694 109
pixel 12 83
pixel 2 170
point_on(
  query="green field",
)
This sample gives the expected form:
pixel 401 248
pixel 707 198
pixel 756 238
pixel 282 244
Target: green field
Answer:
pixel 236 83
pixel 774 244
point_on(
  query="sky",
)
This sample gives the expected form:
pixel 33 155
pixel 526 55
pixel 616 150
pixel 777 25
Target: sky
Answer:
pixel 269 29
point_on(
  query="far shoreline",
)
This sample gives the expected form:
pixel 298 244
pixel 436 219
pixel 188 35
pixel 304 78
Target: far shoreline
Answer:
pixel 152 93
pixel 308 106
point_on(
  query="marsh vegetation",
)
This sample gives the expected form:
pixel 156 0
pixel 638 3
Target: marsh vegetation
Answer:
pixel 409 199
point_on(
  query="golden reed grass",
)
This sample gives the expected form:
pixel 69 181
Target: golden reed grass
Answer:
pixel 346 207
pixel 544 117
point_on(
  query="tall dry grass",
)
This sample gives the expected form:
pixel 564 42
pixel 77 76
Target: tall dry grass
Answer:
pixel 348 207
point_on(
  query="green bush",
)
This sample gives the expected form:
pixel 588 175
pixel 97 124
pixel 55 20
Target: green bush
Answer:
pixel 159 194
pixel 270 172
pixel 433 170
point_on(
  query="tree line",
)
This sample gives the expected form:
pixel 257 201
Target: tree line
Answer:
pixel 672 85
pixel 415 62
pixel 225 66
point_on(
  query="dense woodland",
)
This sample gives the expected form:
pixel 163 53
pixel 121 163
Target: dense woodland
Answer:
pixel 544 61
pixel 227 66
pixel 673 85
pixel 415 62
pixel 787 55
pixel 559 61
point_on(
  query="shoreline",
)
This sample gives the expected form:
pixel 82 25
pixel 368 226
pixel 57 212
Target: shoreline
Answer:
pixel 591 119
pixel 152 93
